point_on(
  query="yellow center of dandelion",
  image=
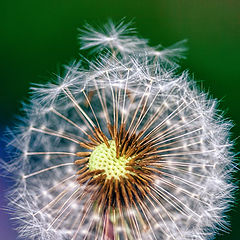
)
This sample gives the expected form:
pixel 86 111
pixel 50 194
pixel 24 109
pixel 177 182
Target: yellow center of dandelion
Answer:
pixel 104 158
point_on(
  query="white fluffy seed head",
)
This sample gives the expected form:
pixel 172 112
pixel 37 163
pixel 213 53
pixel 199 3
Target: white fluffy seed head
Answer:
pixel 138 86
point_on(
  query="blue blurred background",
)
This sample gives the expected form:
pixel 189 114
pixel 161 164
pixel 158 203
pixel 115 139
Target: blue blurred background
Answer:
pixel 37 37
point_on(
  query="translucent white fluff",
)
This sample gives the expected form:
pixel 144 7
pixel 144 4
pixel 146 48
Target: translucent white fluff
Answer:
pixel 137 85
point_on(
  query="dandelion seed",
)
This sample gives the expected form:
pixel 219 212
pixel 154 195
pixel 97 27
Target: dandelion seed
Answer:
pixel 126 149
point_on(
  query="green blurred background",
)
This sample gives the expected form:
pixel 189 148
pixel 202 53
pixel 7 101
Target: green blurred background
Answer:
pixel 37 37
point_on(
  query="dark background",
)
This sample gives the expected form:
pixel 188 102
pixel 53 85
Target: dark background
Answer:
pixel 37 37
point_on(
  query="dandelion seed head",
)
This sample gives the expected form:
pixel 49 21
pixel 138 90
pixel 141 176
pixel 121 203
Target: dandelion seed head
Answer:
pixel 124 149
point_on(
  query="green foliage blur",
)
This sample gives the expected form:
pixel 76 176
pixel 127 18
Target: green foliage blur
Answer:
pixel 38 37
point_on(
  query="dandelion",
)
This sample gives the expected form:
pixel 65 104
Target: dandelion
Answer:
pixel 124 149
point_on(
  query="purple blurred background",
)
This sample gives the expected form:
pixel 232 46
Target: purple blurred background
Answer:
pixel 6 226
